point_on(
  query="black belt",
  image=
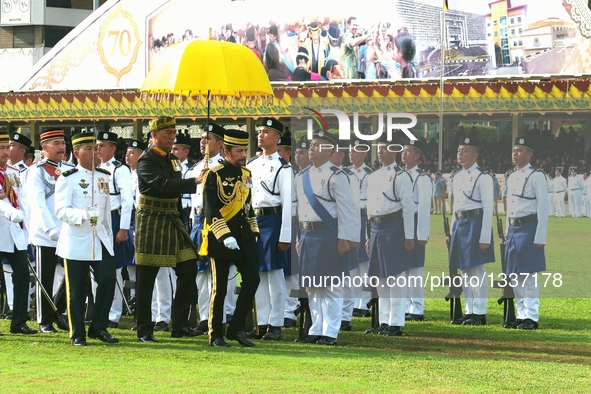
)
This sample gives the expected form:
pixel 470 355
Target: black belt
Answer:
pixel 389 217
pixel 469 213
pixel 267 211
pixel 523 220
pixel 199 211
pixel 312 225
pixel 116 212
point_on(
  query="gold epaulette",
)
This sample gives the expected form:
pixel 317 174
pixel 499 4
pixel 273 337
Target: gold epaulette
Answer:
pixel 217 167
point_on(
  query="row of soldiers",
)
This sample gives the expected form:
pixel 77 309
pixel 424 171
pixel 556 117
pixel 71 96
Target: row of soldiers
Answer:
pixel 349 222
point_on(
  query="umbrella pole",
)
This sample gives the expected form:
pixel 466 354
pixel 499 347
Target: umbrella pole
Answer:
pixel 206 158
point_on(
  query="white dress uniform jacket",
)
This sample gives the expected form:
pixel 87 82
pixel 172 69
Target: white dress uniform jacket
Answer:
pixel 74 191
pixel 12 233
pixel 40 193
pixel 121 193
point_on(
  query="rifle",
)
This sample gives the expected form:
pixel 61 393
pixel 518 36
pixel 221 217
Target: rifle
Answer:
pixel 455 303
pixel 507 298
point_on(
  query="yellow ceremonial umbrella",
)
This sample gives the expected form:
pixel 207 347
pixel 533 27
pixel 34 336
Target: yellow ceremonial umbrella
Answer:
pixel 208 68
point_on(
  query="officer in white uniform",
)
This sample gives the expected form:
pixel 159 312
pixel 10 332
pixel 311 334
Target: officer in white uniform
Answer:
pixel 471 243
pixel 351 293
pixel 45 227
pixel 422 190
pixel 272 179
pixel 550 183
pixel 122 207
pixel 361 171
pixel 587 181
pixel 13 242
pixel 214 137
pixel 390 212
pixel 86 240
pixel 181 149
pixel 575 187
pixel 325 208
pixel 527 223
pixel 559 194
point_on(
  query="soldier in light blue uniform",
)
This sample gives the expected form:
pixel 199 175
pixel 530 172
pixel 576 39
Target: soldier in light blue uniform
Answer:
pixel 471 243
pixel 325 208
pixel 361 171
pixel 390 213
pixel 272 179
pixel 422 189
pixel 527 223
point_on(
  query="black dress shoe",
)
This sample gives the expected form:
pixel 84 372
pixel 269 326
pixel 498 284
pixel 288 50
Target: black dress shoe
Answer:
pixel 272 334
pixel 183 332
pixel 345 326
pixel 528 324
pixel 112 324
pixel 361 312
pixel 241 338
pixel 461 320
pixel 414 317
pixel 329 341
pixel 22 328
pixel 514 324
pixel 161 326
pixel 394 331
pixel 47 328
pixel 61 322
pixel 288 322
pixel 102 335
pixel 147 338
pixel 202 328
pixel 309 339
pixel 475 320
pixel 262 331
pixel 377 330
pixel 80 341
pixel 219 342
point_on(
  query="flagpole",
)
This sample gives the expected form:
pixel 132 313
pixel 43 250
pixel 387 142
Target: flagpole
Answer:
pixel 441 73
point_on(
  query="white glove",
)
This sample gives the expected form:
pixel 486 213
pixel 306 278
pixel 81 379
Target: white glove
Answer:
pixel 54 234
pixel 91 213
pixel 231 243
pixel 17 216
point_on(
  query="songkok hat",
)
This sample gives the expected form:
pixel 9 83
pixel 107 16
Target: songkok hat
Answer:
pixel 326 137
pixel 285 140
pixel 470 140
pixel 51 135
pixel 4 135
pixel 234 137
pixel 21 139
pixel 183 139
pixel 163 122
pixel 214 128
pixel 107 136
pixel 137 144
pixel 273 124
pixel 527 142
pixel 417 144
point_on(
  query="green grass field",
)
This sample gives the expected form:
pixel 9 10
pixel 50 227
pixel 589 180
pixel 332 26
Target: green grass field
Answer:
pixel 432 356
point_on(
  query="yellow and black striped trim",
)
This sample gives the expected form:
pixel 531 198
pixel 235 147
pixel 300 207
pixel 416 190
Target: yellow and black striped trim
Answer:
pixel 219 228
pixel 233 141
pixel 254 225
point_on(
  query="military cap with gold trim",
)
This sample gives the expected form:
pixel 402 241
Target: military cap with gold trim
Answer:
pixel 51 135
pixel 163 122
pixel 86 137
pixel 234 137
pixel 4 135
pixel 21 139
pixel 272 123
